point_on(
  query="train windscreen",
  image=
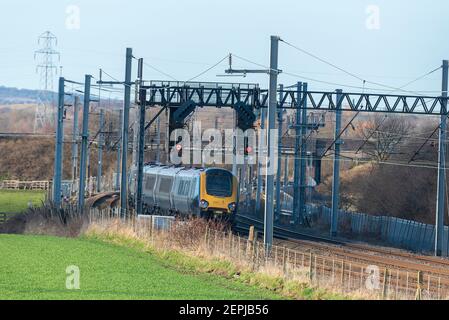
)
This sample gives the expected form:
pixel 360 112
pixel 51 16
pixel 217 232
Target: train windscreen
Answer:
pixel 219 183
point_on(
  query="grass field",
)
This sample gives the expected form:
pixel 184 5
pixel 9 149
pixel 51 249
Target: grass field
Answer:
pixel 12 201
pixel 34 267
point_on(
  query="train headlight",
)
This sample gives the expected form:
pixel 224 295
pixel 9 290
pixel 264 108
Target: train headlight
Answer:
pixel 204 204
pixel 232 207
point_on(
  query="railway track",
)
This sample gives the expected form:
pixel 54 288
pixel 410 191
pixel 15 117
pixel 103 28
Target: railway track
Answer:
pixel 104 200
pixel 328 247
pixel 370 255
pixel 333 261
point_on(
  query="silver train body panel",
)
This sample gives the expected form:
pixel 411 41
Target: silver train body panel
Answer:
pixel 169 190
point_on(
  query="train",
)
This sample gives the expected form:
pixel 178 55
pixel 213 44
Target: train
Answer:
pixel 180 191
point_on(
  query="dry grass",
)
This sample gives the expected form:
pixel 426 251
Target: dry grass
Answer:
pixel 33 159
pixel 219 252
pixel 199 246
pixel 47 220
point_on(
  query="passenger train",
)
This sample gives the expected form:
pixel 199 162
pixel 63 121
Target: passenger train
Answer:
pixel 201 192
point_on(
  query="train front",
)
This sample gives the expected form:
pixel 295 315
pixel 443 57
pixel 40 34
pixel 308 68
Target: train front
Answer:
pixel 219 193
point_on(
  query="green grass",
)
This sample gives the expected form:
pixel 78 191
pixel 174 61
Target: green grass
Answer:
pixel 184 261
pixel 12 201
pixel 33 267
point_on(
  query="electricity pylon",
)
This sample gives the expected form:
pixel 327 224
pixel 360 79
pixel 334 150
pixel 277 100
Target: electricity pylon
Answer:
pixel 47 70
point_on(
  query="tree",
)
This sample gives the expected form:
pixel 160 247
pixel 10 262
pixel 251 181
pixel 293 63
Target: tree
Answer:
pixel 382 134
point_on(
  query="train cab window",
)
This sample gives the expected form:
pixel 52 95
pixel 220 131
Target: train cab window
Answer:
pixel 219 183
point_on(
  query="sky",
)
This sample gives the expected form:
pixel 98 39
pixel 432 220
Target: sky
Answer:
pixel 391 42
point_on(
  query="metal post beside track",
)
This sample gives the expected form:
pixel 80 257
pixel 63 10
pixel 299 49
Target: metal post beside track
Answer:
pixel 441 192
pixel 279 160
pixel 100 150
pixel 297 164
pixel 125 134
pixel 141 151
pixel 119 153
pixel 75 134
pixel 336 178
pixel 271 159
pixel 303 155
pixel 59 146
pixel 84 146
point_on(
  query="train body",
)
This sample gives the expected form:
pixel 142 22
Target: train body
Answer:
pixel 186 191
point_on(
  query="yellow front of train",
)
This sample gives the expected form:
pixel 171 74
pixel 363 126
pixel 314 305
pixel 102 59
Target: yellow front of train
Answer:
pixel 218 193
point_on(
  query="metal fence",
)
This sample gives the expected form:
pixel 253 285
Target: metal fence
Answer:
pixel 401 233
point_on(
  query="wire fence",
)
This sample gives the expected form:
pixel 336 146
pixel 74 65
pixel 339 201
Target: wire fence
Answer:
pixel 344 276
pixel 322 271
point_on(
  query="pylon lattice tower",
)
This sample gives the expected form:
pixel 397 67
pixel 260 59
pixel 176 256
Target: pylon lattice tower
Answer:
pixel 47 70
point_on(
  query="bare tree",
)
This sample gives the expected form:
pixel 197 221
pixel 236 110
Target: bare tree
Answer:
pixel 382 134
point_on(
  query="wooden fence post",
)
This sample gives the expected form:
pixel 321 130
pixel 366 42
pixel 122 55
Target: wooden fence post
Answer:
pixel 239 248
pixel 311 267
pixel 256 262
pixel 251 233
pixel 254 249
pixel 231 240
pixel 419 281
pixel 385 288
pixel 249 248
pixel 286 259
pixel 342 279
pixel 206 237
pixel 275 256
pixel 406 287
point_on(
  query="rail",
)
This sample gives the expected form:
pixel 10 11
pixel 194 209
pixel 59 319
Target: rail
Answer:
pixel 353 251
pixel 243 222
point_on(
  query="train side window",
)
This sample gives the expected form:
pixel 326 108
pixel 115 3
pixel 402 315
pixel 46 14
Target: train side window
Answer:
pixel 149 183
pixel 187 188
pixel 181 187
pixel 184 188
pixel 165 185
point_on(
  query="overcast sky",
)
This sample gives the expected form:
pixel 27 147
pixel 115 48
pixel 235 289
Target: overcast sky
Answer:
pixel 391 41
